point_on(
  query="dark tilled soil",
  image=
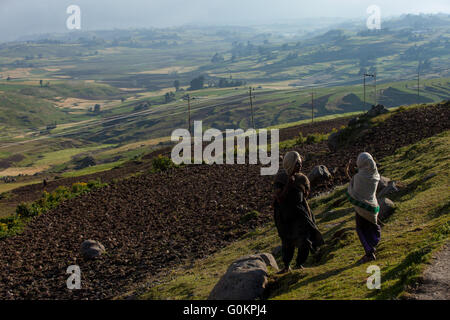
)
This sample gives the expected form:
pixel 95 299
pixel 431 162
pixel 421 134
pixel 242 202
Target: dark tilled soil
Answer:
pixel 155 222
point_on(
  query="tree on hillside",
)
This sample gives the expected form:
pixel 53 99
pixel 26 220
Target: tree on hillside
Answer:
pixel 40 83
pixel 97 108
pixel 217 58
pixel 197 83
pixel 169 96
pixel 176 84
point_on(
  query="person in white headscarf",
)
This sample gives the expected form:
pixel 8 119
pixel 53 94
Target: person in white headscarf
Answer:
pixel 294 220
pixel 361 192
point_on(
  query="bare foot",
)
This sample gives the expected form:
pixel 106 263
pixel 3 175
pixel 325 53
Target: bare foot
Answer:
pixel 285 270
pixel 367 258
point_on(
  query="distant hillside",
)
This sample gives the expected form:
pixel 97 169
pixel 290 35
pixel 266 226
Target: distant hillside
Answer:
pixel 23 111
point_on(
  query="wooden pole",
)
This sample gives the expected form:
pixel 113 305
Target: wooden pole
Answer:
pixel 251 106
pixel 189 114
pixel 375 80
pixel 312 107
pixel 418 83
pixel 364 81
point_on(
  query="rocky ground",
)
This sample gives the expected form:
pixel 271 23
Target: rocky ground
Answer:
pixel 154 222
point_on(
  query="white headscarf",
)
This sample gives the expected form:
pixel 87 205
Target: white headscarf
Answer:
pixel 363 185
pixel 289 161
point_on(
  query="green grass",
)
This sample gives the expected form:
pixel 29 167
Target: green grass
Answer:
pixel 93 169
pixel 65 155
pixel 14 224
pixel 318 119
pixel 419 226
pixel 73 89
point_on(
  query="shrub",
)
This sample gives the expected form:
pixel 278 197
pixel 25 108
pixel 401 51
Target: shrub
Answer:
pixel 252 215
pixel 23 210
pixel 162 163
pixel 315 138
pixel 52 200
pixel 300 139
pixel 3 230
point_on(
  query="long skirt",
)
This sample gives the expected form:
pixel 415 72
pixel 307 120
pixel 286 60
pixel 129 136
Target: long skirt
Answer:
pixel 369 234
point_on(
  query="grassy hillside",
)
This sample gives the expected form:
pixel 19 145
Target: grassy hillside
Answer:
pixel 19 111
pixel 419 226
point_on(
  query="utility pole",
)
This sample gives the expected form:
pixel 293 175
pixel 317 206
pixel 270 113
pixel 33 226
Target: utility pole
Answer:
pixel 312 106
pixel 374 77
pixel 375 80
pixel 251 106
pixel 364 85
pixel 418 83
pixel 189 114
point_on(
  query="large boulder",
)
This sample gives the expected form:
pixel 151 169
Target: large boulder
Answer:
pixel 91 249
pixel 319 175
pixel 387 208
pixel 333 141
pixel 353 121
pixel 245 279
pixel 377 110
pixel 383 183
pixel 389 189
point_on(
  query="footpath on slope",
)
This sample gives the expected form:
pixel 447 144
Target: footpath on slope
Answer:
pixel 436 278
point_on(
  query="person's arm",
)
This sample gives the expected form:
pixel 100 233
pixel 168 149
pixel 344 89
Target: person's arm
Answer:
pixel 349 170
pixel 281 193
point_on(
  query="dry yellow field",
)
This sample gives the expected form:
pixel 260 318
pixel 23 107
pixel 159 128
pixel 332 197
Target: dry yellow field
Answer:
pixel 83 104
pixel 168 70
pixel 16 73
pixel 15 171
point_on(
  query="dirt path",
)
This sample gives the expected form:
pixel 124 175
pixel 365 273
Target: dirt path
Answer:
pixel 436 278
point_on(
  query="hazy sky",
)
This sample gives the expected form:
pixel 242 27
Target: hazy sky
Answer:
pixel 24 17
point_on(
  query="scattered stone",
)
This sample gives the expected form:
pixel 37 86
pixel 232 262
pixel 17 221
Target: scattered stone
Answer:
pixel 245 279
pixel 91 249
pixel 429 176
pixel 319 175
pixel 389 189
pixel 387 208
pixel 342 233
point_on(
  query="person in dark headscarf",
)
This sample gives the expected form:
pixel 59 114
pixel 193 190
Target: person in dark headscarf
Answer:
pixel 295 223
pixel 361 192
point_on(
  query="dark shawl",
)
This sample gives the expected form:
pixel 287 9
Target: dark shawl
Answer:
pixel 293 218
